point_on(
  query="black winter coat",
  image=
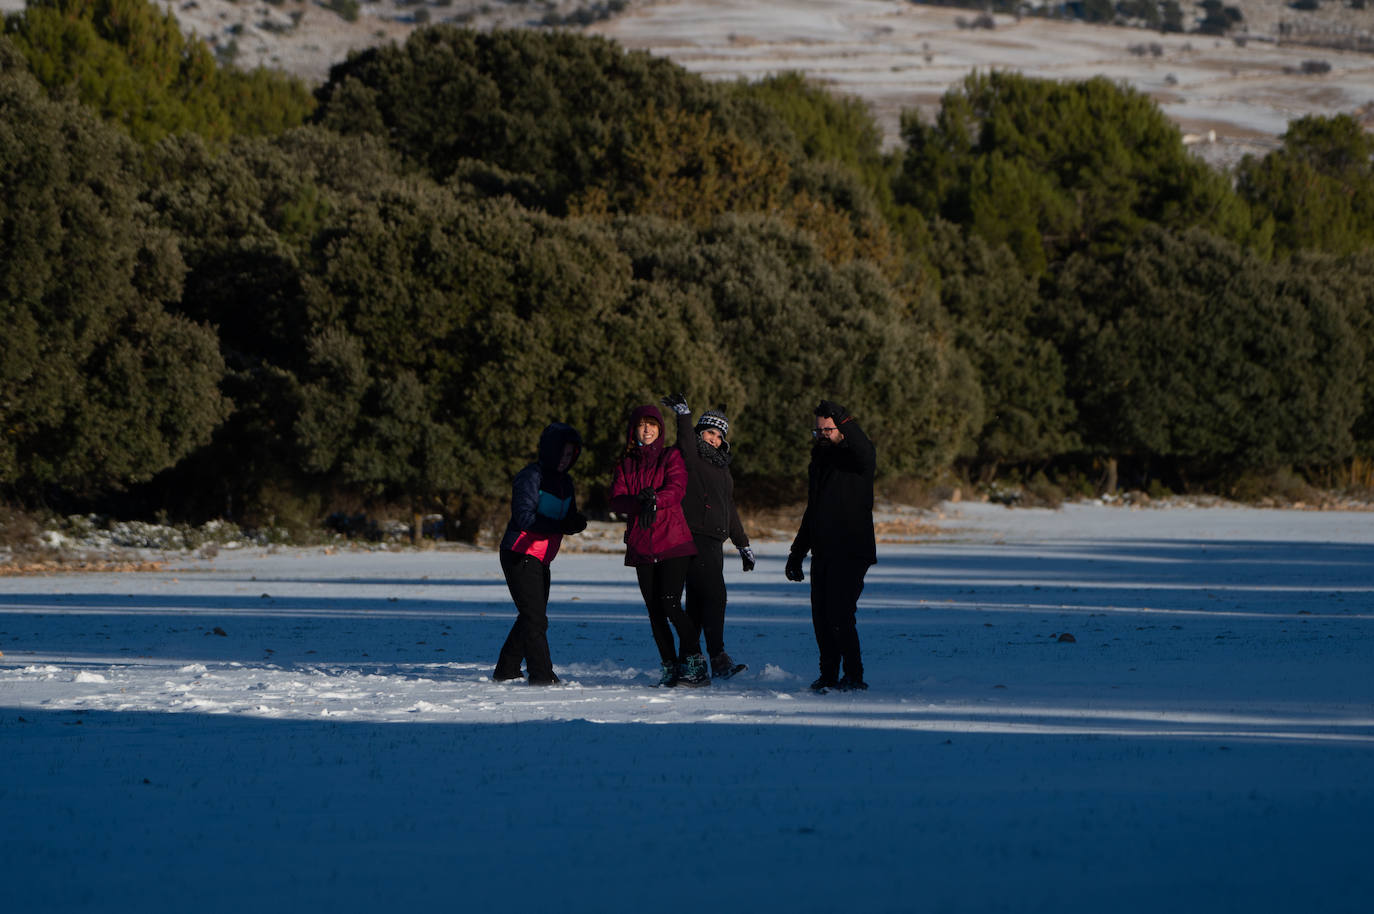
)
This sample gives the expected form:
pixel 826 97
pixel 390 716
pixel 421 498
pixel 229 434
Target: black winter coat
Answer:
pixel 838 522
pixel 710 500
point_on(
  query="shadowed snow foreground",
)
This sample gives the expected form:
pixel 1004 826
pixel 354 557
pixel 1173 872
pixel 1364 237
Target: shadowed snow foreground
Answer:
pixel 309 729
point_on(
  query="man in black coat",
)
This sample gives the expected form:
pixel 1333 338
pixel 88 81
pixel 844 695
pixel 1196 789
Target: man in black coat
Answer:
pixel 837 529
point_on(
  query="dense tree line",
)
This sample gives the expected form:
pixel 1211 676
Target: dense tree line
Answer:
pixel 278 307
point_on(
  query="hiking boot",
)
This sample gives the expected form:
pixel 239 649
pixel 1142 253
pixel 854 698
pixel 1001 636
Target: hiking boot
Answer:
pixel 692 671
pixel 667 674
pixel 852 685
pixel 504 676
pixel 825 682
pixel 723 667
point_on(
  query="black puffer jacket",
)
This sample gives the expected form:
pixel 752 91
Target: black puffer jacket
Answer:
pixel 710 500
pixel 838 522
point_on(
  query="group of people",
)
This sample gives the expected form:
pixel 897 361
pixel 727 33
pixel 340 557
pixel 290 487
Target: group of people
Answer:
pixel 679 507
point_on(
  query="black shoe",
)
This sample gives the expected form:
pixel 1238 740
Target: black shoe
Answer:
pixel 501 676
pixel 692 671
pixel 825 683
pixel 722 667
pixel 551 679
pixel 852 685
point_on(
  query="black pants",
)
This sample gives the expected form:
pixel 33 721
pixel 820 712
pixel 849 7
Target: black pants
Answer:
pixel 528 580
pixel 835 587
pixel 706 592
pixel 661 585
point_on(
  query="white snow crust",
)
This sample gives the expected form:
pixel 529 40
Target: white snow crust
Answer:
pixel 302 730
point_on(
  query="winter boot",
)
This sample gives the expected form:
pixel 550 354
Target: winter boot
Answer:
pixel 722 667
pixel 692 671
pixel 825 683
pixel 667 674
pixel 500 675
pixel 852 684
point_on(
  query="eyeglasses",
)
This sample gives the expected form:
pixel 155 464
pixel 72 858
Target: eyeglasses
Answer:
pixel 817 432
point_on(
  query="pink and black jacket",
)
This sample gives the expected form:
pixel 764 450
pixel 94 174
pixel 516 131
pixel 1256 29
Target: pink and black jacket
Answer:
pixel 542 498
pixel 662 469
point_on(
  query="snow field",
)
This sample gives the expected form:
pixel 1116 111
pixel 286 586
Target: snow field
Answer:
pixel 1206 741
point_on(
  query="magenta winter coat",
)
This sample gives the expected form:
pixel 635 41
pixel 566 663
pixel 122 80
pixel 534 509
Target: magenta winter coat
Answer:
pixel 661 468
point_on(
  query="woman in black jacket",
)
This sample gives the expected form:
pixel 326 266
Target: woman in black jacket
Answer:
pixel 543 510
pixel 709 506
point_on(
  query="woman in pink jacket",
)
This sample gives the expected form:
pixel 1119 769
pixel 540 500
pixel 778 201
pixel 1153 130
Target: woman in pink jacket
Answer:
pixel 650 481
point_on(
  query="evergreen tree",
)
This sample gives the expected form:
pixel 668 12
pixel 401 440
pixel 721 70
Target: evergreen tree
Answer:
pixel 552 108
pixel 792 328
pixel 1187 348
pixel 131 63
pixel 1051 168
pixel 103 387
pixel 1318 187
pixel 248 215
pixel 1349 281
pixel 996 309
pixel 829 128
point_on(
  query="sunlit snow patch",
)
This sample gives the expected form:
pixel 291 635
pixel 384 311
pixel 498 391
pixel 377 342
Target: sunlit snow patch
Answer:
pixel 773 673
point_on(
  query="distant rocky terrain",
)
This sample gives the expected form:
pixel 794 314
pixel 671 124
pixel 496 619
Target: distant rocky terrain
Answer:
pixel 1232 93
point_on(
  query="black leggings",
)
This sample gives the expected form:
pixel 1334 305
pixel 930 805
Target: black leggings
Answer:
pixel 528 581
pixel 661 586
pixel 706 592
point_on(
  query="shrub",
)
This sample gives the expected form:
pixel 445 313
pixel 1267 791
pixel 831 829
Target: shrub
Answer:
pixel 130 61
pixel 103 386
pixel 1050 169
pixel 1190 349
pixel 347 10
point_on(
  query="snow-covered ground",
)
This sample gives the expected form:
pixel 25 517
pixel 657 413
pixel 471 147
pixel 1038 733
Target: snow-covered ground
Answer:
pixel 1229 97
pixel 302 729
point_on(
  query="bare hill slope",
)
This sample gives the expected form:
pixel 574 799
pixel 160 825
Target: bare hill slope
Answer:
pixel 1230 95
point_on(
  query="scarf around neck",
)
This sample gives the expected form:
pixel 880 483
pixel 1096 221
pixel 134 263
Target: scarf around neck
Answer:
pixel 719 456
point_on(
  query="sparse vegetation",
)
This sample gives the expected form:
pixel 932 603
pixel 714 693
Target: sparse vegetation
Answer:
pixel 347 10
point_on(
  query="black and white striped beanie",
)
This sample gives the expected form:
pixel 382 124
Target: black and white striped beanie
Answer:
pixel 713 418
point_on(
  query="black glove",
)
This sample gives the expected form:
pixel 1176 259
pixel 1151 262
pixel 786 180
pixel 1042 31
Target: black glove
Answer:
pixel 832 410
pixel 746 556
pixel 794 568
pixel 678 404
pixel 575 522
pixel 648 506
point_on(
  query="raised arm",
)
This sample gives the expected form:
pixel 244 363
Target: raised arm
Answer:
pixel 861 450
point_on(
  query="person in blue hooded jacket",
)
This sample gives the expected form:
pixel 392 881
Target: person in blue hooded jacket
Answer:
pixel 543 509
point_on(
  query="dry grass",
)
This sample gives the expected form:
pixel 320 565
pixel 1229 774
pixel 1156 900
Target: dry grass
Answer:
pixel 60 565
pixel 904 530
pixel 19 530
pixel 1358 476
pixel 782 523
pixel 772 523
